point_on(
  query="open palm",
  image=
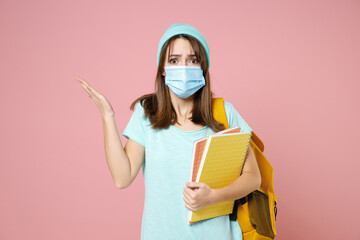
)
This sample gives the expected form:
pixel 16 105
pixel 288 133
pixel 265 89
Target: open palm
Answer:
pixel 100 100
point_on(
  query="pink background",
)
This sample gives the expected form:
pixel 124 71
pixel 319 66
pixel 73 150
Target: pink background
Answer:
pixel 295 70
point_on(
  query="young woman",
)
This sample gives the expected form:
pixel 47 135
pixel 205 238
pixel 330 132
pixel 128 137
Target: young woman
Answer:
pixel 160 137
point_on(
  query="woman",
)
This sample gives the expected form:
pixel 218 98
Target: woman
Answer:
pixel 160 137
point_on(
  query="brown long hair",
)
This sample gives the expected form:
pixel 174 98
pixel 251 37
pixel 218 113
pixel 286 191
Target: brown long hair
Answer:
pixel 158 107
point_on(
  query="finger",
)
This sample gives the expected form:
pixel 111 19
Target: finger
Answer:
pixel 87 90
pixel 193 185
pixel 93 91
pixel 186 201
pixel 188 191
pixel 86 84
pixel 80 79
pixel 93 97
pixel 90 88
pixel 96 100
pixel 187 196
pixel 193 188
pixel 189 207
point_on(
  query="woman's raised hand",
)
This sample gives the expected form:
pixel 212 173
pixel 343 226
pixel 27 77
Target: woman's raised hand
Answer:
pixel 100 100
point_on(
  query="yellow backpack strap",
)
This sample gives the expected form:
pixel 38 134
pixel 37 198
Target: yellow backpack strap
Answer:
pixel 219 113
pixel 257 141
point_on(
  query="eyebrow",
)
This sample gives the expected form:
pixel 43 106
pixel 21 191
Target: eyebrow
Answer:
pixel 178 55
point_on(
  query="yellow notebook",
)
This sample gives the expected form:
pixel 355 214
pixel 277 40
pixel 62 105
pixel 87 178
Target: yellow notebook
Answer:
pixel 217 161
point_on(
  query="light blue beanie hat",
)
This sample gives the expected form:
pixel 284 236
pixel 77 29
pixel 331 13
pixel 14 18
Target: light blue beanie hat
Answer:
pixel 185 28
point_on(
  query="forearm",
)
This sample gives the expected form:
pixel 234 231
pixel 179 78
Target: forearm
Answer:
pixel 116 157
pixel 242 186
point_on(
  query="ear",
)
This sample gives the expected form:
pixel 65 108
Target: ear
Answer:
pixel 163 72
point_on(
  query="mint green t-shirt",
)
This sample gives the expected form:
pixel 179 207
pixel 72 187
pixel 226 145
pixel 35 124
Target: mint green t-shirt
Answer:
pixel 166 168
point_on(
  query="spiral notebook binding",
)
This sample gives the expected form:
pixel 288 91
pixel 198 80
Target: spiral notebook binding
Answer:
pixel 247 149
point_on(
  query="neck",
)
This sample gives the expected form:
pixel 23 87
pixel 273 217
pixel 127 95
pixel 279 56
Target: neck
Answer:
pixel 183 106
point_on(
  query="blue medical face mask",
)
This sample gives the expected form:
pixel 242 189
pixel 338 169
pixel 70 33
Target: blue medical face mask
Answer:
pixel 184 81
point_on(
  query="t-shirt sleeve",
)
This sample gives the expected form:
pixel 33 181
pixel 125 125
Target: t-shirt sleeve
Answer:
pixel 235 119
pixel 136 127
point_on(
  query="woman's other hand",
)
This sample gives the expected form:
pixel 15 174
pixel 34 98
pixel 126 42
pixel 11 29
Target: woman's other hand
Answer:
pixel 100 100
pixel 199 197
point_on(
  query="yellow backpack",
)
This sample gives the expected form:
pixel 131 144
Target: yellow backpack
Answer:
pixel 256 212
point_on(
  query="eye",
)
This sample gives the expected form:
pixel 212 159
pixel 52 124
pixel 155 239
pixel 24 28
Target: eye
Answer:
pixel 172 59
pixel 197 61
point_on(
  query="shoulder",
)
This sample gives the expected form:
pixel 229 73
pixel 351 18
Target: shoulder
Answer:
pixel 228 108
pixel 227 105
pixel 235 118
pixel 140 112
pixel 139 107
